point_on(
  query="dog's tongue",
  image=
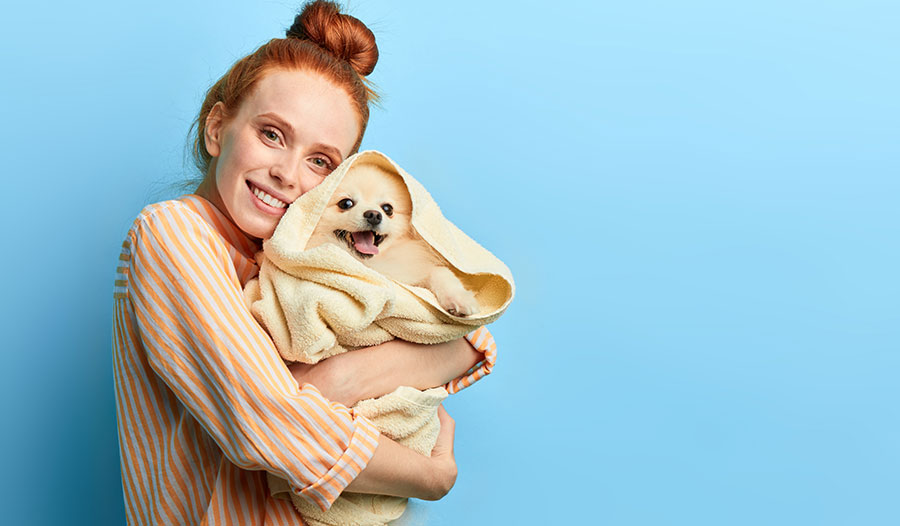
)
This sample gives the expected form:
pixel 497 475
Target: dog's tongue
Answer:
pixel 365 242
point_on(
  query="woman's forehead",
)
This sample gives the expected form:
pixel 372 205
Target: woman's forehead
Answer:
pixel 316 109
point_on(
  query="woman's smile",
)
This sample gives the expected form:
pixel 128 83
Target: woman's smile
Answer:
pixel 266 202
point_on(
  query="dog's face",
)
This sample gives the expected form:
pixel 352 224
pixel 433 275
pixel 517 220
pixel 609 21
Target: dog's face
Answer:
pixel 368 212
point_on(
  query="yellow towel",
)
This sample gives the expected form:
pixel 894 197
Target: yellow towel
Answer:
pixel 320 302
pixel 316 303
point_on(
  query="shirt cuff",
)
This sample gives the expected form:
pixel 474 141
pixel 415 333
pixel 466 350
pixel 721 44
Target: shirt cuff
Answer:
pixel 327 489
pixel 483 342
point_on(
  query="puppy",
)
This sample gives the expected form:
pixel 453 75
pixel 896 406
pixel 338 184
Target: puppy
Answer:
pixel 369 216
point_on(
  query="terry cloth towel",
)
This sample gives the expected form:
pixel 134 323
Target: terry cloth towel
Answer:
pixel 320 302
pixel 408 416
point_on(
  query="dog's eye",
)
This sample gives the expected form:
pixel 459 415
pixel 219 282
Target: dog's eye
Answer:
pixel 388 209
pixel 345 204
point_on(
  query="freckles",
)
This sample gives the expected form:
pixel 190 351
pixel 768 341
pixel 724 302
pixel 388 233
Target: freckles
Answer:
pixel 242 150
pixel 256 154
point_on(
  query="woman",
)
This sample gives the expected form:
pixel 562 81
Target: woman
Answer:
pixel 205 405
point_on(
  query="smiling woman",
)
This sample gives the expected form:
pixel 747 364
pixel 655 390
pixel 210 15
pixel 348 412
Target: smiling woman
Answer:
pixel 206 407
pixel 261 162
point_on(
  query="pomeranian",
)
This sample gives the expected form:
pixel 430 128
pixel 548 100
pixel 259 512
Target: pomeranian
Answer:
pixel 369 216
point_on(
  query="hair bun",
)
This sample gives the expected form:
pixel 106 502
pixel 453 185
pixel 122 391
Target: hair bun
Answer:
pixel 344 36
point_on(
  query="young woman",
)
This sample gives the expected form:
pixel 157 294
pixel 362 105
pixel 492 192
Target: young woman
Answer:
pixel 205 404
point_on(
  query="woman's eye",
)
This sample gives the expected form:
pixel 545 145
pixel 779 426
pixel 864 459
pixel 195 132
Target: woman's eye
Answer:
pixel 388 209
pixel 321 162
pixel 345 204
pixel 271 135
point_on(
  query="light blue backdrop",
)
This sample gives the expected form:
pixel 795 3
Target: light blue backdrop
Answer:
pixel 699 202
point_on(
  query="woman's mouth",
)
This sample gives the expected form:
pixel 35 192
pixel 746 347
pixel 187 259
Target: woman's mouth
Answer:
pixel 266 202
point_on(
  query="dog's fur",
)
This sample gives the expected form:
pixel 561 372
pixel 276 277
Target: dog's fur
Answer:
pixel 392 248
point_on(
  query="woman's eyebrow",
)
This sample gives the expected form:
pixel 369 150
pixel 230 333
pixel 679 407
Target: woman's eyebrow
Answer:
pixel 334 152
pixel 281 122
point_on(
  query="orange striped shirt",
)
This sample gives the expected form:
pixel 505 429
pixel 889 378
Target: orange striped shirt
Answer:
pixel 205 404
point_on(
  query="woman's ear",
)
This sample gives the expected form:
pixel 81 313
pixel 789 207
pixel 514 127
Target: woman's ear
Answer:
pixel 212 130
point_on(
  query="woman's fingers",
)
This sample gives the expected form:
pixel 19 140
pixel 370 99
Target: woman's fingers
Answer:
pixel 444 444
pixel 442 455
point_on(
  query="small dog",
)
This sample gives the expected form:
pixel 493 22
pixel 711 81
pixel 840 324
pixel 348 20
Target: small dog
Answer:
pixel 369 216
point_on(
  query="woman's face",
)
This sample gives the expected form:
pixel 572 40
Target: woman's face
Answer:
pixel 290 132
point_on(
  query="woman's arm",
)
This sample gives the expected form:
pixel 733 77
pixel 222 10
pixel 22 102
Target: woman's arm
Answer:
pixel 378 370
pixel 201 340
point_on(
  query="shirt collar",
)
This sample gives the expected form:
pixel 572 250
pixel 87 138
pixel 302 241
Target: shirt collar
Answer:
pixel 243 243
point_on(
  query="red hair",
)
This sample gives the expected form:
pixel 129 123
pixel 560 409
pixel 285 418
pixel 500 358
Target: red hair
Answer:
pixel 322 40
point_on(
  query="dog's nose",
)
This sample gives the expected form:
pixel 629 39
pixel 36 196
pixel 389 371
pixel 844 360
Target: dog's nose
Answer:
pixel 373 217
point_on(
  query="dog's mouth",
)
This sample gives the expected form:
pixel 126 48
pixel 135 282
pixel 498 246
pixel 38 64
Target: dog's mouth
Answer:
pixel 364 243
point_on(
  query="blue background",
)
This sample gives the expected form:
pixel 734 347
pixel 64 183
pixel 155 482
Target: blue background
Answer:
pixel 699 202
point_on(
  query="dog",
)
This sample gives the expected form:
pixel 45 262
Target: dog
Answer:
pixel 369 216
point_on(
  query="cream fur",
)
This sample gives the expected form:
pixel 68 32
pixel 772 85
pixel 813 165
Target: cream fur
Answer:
pixel 403 255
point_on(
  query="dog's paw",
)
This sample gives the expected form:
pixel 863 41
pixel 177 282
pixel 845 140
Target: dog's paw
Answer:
pixel 460 303
pixel 451 294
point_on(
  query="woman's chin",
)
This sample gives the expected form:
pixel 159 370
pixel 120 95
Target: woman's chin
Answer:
pixel 257 227
pixel 262 233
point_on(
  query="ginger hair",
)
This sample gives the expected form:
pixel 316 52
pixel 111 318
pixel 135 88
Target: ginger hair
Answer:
pixel 322 40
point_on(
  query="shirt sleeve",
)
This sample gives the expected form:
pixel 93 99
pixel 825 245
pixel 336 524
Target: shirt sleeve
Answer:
pixel 203 342
pixel 483 342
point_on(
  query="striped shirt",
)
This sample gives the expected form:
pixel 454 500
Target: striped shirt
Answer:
pixel 205 404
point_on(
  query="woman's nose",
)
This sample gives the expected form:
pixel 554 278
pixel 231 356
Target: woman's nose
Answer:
pixel 282 170
pixel 292 174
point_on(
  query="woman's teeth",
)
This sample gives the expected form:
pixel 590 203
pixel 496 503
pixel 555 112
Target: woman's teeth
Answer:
pixel 268 199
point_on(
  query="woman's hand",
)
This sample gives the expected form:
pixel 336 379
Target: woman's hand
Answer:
pixel 442 455
pixel 400 471
pixel 378 370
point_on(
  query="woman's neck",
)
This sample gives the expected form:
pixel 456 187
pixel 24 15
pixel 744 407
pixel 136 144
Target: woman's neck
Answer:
pixel 208 190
